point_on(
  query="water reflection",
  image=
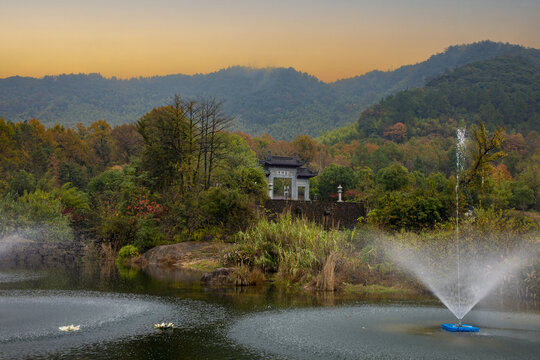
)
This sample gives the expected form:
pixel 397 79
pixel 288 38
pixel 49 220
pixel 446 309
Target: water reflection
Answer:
pixel 157 294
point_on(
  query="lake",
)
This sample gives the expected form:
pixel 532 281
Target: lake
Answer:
pixel 116 310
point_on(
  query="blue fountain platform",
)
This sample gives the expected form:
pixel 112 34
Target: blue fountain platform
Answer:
pixel 459 328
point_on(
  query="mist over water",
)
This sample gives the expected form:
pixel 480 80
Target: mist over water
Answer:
pixel 9 241
pixel 482 269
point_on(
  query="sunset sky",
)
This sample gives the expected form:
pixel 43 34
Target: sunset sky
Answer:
pixel 328 39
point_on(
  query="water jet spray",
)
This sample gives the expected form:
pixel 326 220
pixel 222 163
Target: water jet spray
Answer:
pixel 460 155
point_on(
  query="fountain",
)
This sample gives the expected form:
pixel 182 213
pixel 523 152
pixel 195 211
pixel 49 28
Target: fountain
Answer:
pixel 460 157
pixel 462 270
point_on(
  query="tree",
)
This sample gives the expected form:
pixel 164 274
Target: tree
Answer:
pixel 522 197
pixel 305 147
pixel 396 132
pixel 486 150
pixel 332 177
pixel 128 142
pixel 392 178
pixel 183 142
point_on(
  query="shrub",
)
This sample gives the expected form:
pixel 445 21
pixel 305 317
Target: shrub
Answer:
pixel 408 211
pixel 226 207
pixel 148 235
pixel 127 252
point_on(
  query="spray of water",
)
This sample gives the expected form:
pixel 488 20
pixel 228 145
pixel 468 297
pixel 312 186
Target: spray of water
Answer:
pixel 8 242
pixel 484 261
pixel 463 270
pixel 460 157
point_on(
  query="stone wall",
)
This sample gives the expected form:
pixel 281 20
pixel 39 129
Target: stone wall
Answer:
pixel 329 214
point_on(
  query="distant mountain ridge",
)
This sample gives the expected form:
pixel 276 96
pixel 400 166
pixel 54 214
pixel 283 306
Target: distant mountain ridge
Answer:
pixel 280 101
pixel 500 92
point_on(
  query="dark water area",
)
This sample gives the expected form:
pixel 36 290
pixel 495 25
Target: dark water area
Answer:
pixel 116 309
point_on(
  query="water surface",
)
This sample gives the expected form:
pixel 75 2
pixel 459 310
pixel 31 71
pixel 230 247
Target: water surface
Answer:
pixel 117 308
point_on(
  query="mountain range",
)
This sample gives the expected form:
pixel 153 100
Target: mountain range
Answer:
pixel 280 101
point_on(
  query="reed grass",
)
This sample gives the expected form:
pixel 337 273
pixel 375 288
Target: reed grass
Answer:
pixel 294 250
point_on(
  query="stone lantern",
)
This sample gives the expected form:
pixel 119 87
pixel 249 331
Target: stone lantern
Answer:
pixel 339 191
pixel 270 190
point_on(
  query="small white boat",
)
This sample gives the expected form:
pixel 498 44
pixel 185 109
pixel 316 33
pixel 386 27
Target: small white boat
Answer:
pixel 70 328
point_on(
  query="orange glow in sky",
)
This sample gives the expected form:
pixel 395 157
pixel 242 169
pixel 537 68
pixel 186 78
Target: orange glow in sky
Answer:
pixel 328 39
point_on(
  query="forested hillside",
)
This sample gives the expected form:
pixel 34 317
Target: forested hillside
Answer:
pixel 282 102
pixel 499 92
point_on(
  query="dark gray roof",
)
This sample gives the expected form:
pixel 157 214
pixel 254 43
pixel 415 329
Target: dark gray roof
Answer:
pixel 305 173
pixel 283 161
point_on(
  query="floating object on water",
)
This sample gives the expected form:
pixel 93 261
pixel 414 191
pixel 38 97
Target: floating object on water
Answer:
pixel 459 328
pixel 70 328
pixel 164 326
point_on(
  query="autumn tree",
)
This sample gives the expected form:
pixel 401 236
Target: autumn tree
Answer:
pixel 486 149
pixel 305 147
pixel 101 142
pixel 128 142
pixel 396 132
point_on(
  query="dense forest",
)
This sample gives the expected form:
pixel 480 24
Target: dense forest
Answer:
pixel 177 174
pixel 498 92
pixel 281 102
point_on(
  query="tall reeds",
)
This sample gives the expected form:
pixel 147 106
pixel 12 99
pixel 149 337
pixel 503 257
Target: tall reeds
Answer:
pixel 295 250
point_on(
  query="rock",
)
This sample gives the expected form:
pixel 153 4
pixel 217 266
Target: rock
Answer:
pixel 219 275
pixel 182 254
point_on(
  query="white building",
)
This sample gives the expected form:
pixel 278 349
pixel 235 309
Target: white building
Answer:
pixel 285 167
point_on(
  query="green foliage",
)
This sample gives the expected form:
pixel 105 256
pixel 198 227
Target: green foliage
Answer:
pixel 148 235
pixel 397 211
pixel 228 208
pixel 107 182
pixel 392 178
pixel 35 216
pixel 72 198
pixel 249 181
pixel 70 172
pixel 127 252
pixel 522 197
pixel 497 92
pixel 332 177
pixel 22 182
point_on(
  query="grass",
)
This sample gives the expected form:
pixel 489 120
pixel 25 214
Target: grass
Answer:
pixel 202 265
pixel 293 250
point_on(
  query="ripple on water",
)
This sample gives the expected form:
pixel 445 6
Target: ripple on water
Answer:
pixel 30 319
pixel 387 332
pixel 19 275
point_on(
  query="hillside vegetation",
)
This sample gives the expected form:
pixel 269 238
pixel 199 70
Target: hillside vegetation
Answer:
pixel 282 102
pixel 503 92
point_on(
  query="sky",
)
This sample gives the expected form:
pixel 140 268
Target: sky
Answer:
pixel 328 39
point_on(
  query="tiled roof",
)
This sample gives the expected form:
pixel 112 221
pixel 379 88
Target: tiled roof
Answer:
pixel 285 161
pixel 305 173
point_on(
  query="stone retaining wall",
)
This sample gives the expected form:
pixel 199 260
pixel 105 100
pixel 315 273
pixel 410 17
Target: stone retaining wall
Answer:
pixel 329 214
